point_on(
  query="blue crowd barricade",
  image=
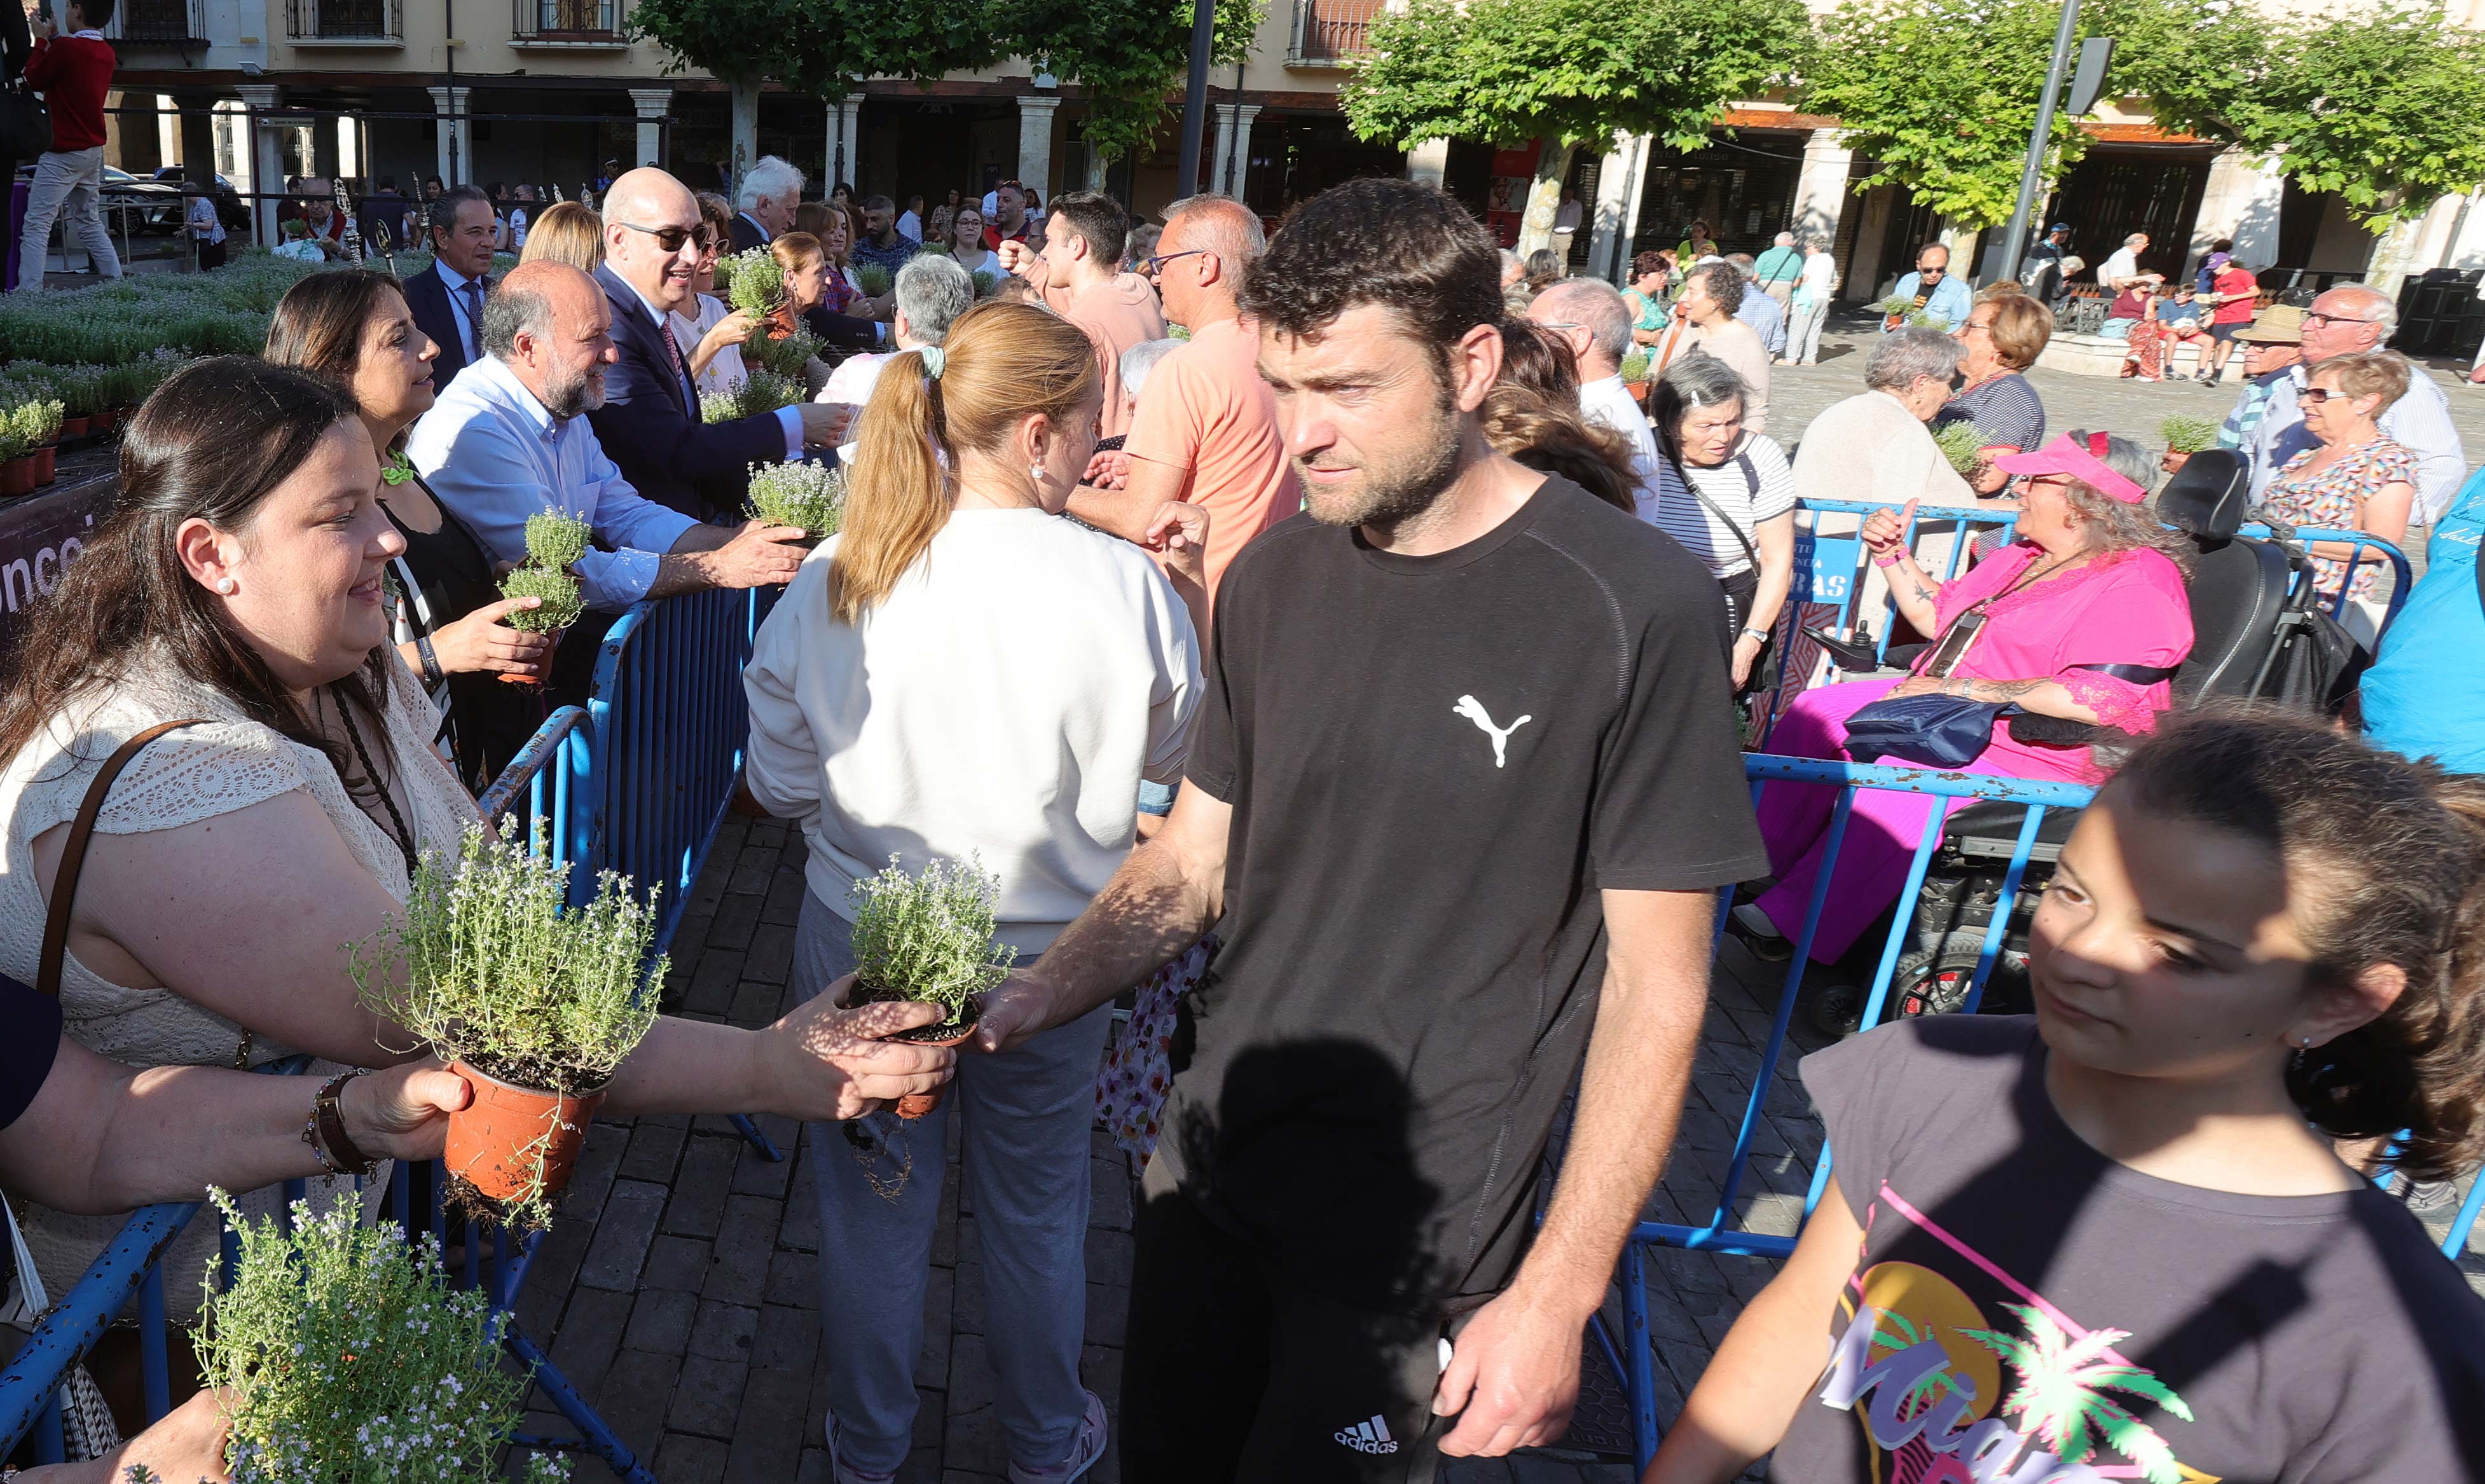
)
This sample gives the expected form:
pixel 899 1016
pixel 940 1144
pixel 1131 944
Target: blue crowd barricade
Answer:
pixel 2359 543
pixel 547 781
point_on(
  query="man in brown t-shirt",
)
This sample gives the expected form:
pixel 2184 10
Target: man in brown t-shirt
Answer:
pixel 1080 275
pixel 1205 430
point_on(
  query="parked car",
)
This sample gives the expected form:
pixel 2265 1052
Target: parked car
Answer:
pixel 229 202
pixel 133 204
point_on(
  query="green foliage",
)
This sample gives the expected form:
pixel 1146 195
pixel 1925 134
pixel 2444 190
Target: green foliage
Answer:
pixel 760 392
pixel 1635 364
pixel 1942 94
pixel 929 937
pixel 561 601
pixel 986 281
pixel 1131 57
pixel 782 357
pixel 2188 434
pixel 350 1359
pixel 1905 305
pixel 556 539
pixel 498 976
pixel 34 423
pixel 1959 443
pixel 754 283
pixel 1571 71
pixel 802 493
pixel 736 39
pixel 875 279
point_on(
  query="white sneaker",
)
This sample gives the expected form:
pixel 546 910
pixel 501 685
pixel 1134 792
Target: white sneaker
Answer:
pixel 1085 1450
pixel 843 1473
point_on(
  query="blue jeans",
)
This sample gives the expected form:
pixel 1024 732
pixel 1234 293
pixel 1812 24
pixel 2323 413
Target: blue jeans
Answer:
pixel 1024 1167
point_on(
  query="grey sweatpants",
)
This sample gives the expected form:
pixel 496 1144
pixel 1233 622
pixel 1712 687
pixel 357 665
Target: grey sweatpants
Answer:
pixel 1024 1164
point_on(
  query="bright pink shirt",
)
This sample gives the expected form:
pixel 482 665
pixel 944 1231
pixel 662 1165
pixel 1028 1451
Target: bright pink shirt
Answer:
pixel 2128 608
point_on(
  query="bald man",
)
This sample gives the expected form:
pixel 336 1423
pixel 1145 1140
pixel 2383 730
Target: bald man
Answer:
pixel 513 435
pixel 650 422
pixel 1205 428
pixel 1589 317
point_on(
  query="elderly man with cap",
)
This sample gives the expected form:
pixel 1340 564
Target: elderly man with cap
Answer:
pixel 2349 320
pixel 2273 343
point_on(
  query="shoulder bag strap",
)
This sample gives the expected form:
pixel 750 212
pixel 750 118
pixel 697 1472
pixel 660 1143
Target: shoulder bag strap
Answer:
pixel 56 920
pixel 1749 555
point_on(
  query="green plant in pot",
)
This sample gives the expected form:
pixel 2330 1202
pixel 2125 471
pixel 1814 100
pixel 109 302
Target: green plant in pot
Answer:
pixel 928 938
pixel 804 494
pixel 783 355
pixel 875 280
pixel 1899 309
pixel 751 281
pixel 762 391
pixel 347 1359
pixel 37 427
pixel 1961 444
pixel 2188 435
pixel 554 542
pixel 534 1006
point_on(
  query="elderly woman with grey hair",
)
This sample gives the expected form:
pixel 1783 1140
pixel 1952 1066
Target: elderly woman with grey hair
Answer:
pixel 1874 447
pixel 1735 507
pixel 930 292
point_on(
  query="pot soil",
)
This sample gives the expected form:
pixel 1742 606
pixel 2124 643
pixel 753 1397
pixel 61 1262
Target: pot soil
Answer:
pixel 513 1142
pixel 915 1105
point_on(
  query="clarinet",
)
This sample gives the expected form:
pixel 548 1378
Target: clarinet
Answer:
pixel 353 240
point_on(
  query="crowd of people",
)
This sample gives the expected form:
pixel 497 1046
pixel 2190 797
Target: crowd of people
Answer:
pixel 1359 673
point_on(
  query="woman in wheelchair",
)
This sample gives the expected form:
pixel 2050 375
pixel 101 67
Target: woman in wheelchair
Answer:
pixel 2082 618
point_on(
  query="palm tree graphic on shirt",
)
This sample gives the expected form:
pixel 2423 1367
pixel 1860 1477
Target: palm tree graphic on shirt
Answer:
pixel 2062 1394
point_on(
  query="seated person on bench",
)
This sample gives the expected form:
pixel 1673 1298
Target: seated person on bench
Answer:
pixel 2091 580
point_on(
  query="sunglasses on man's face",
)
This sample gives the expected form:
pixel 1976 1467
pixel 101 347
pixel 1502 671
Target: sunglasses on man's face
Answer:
pixel 671 238
pixel 2318 317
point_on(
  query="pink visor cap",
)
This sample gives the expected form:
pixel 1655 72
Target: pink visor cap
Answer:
pixel 2086 464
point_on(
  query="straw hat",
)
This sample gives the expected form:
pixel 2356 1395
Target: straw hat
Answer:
pixel 2279 324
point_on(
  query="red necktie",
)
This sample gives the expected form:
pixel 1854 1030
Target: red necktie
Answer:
pixel 681 374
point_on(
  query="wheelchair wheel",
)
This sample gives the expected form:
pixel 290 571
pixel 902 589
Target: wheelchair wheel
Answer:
pixel 1935 979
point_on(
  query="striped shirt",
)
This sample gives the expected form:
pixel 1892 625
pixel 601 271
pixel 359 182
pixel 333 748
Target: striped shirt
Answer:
pixel 1754 485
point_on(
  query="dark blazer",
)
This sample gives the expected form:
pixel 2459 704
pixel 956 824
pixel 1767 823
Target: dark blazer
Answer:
pixel 650 428
pixel 426 297
pixel 746 233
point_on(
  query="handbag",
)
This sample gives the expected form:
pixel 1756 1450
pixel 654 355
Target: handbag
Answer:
pixel 1938 731
pixel 26 125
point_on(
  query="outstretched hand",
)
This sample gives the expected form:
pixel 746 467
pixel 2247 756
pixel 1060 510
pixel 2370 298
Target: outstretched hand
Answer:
pixel 829 1064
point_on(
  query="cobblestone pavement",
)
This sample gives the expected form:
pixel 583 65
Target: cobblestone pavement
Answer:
pixel 677 1290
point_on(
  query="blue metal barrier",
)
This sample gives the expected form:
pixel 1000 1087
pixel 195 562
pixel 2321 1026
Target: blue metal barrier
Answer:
pixel 2357 542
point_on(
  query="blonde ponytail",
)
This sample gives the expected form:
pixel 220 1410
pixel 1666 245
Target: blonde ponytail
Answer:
pixel 999 363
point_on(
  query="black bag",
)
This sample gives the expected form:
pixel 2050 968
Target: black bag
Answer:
pixel 2318 665
pixel 25 126
pixel 1936 730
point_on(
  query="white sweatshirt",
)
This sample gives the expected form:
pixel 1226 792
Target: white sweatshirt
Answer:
pixel 1003 702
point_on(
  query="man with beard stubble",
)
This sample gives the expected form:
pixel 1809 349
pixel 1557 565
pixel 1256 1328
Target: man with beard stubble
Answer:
pixel 1460 801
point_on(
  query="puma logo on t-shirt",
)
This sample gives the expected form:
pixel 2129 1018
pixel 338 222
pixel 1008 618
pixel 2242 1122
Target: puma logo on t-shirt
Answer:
pixel 1473 710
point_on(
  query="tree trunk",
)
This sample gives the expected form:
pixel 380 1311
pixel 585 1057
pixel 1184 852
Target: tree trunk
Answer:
pixel 1544 197
pixel 2393 254
pixel 745 126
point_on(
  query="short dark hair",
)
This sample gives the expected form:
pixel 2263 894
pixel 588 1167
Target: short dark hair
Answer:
pixel 388 182
pixel 1099 219
pixel 443 215
pixel 1400 246
pixel 1721 280
pixel 877 203
pixel 1930 246
pixel 98 13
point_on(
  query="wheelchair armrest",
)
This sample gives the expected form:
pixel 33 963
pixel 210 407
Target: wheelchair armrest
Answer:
pixel 2061 731
pixel 1850 653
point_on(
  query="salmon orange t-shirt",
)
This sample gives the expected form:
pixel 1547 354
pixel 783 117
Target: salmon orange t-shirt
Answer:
pixel 1206 412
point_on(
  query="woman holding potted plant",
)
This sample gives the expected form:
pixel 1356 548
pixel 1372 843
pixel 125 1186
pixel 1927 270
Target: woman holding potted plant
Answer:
pixel 963 681
pixel 237 592
pixel 353 328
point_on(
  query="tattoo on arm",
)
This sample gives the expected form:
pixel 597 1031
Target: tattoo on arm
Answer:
pixel 1924 591
pixel 2007 690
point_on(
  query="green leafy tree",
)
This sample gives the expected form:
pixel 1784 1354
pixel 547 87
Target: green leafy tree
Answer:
pixel 743 42
pixel 1942 96
pixel 1569 73
pixel 1130 59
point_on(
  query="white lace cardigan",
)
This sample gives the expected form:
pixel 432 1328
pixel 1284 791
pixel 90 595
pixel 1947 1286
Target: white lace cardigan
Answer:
pixel 185 775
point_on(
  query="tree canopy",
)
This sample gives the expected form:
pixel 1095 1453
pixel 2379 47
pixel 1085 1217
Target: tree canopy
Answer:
pixel 1567 71
pixel 1128 57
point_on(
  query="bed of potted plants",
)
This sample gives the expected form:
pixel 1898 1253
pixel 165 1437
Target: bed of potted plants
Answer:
pixel 343 1356
pixel 532 1004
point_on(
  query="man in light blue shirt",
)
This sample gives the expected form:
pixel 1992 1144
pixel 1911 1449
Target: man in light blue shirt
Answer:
pixel 509 438
pixel 1944 300
pixel 1758 309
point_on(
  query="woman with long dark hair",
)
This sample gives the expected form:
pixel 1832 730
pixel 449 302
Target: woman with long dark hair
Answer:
pixel 239 591
pixel 960 674
pixel 353 329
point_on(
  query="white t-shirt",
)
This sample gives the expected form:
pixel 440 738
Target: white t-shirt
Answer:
pixel 1818 279
pixel 1002 703
pixel 1607 404
pixel 2124 263
pixel 517 227
pixel 1568 217
pixel 1764 493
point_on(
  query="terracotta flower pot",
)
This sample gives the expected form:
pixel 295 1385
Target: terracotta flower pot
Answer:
pixel 73 427
pixel 18 476
pixel 45 459
pixel 104 421
pixel 915 1105
pixel 513 1142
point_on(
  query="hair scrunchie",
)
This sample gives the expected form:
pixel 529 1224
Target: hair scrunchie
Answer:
pixel 934 362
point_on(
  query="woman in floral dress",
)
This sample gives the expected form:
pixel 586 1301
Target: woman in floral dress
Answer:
pixel 2357 480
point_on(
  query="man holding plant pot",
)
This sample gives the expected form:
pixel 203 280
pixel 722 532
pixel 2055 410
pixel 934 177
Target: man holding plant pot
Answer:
pixel 1438 854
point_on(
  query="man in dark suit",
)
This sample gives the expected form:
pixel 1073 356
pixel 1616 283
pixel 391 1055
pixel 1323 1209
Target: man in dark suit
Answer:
pixel 446 298
pixel 384 207
pixel 771 190
pixel 650 424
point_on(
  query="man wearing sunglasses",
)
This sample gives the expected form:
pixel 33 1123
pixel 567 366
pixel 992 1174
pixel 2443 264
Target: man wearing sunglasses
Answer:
pixel 2350 320
pixel 650 424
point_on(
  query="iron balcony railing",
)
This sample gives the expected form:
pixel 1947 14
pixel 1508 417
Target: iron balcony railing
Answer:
pixel 1330 32
pixel 345 20
pixel 583 21
pixel 157 22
